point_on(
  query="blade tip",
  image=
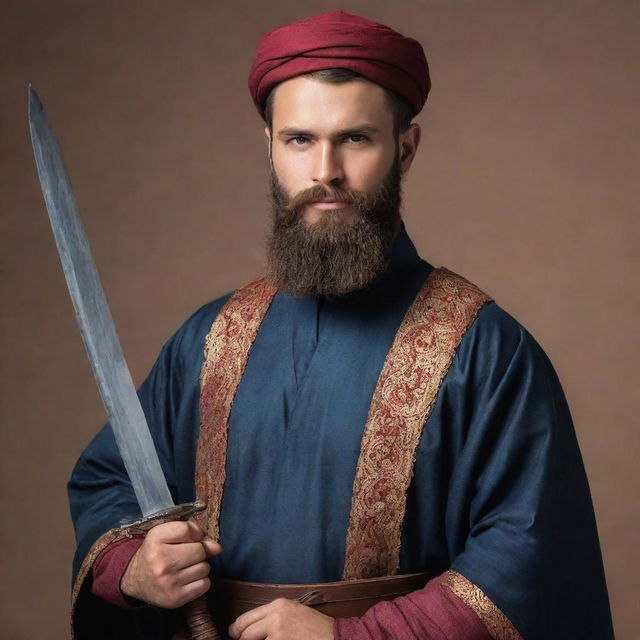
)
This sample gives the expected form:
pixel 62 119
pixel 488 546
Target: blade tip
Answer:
pixel 34 99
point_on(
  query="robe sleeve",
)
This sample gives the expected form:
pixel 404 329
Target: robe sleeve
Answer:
pixel 109 568
pixel 432 613
pixel 522 544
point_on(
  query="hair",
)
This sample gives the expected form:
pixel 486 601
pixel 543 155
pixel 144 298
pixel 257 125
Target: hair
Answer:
pixel 401 110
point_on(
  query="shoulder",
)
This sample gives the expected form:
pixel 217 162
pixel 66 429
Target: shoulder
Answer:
pixel 497 345
pixel 494 326
pixel 190 336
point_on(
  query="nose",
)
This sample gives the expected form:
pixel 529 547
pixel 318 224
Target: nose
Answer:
pixel 328 170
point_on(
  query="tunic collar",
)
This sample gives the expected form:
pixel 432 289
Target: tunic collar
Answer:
pixel 403 254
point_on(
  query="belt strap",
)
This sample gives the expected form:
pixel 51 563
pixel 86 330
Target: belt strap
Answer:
pixel 229 599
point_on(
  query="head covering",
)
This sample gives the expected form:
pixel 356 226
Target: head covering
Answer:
pixel 340 39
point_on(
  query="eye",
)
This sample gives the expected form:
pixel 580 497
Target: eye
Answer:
pixel 356 138
pixel 298 141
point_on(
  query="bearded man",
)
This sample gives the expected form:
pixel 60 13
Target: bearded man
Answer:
pixel 383 451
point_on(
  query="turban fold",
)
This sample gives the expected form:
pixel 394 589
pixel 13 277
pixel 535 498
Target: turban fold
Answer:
pixel 340 39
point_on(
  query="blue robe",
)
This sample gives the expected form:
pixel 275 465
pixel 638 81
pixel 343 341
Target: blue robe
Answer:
pixel 499 491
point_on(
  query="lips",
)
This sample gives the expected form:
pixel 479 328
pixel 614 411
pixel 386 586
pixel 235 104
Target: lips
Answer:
pixel 329 204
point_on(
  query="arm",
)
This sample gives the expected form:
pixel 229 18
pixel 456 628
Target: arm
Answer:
pixel 166 568
pixel 520 533
pixel 100 494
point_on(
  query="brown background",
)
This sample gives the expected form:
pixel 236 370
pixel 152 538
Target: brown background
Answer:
pixel 525 183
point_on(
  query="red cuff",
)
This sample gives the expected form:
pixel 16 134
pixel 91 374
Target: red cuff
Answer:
pixel 109 568
pixel 432 613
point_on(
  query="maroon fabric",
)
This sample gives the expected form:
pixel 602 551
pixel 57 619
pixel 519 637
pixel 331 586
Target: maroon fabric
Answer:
pixel 340 39
pixel 109 568
pixel 432 613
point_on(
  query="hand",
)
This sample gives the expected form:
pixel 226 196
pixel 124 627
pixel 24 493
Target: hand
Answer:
pixel 170 568
pixel 282 619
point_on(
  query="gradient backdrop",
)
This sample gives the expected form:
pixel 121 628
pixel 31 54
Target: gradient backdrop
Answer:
pixel 526 182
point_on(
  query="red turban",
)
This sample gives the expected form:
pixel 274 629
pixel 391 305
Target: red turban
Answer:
pixel 339 39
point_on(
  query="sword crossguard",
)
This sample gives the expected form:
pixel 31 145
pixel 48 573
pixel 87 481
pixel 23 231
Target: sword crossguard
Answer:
pixel 178 512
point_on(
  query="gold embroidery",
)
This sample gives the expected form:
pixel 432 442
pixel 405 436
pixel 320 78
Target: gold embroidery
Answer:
pixel 497 624
pixel 227 348
pixel 406 391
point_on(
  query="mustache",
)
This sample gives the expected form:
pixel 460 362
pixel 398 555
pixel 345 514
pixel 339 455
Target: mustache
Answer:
pixel 318 192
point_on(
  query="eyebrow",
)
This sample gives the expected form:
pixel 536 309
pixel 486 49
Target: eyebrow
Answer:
pixel 365 128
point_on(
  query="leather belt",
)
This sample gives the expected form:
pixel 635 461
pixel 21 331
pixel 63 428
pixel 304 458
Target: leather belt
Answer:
pixel 229 599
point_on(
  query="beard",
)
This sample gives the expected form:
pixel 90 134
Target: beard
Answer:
pixel 337 254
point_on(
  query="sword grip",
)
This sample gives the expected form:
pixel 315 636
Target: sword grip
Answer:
pixel 199 620
pixel 196 612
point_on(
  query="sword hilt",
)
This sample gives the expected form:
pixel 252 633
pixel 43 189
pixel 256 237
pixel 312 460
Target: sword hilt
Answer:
pixel 196 613
pixel 199 620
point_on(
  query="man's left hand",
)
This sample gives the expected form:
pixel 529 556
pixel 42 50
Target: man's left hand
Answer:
pixel 282 619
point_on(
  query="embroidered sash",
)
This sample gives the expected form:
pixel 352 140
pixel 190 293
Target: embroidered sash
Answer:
pixel 414 369
pixel 406 391
pixel 226 350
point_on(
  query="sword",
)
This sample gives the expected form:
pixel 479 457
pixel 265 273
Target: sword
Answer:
pixel 118 393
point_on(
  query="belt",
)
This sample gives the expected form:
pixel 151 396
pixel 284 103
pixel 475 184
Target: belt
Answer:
pixel 229 599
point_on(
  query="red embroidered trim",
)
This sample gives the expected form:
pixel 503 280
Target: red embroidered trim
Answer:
pixel 226 351
pixel 406 391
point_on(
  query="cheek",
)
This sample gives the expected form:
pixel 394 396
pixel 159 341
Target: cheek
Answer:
pixel 290 170
pixel 368 173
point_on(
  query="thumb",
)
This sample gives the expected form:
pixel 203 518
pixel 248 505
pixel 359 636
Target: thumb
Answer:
pixel 211 548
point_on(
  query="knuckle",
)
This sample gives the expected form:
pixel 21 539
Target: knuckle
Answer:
pixel 154 554
pixel 151 535
pixel 282 605
pixel 158 571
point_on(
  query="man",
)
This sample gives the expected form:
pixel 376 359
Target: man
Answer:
pixel 358 417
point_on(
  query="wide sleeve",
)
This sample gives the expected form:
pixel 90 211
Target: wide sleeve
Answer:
pixel 100 494
pixel 520 541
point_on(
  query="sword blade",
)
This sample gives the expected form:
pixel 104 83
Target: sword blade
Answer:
pixel 94 318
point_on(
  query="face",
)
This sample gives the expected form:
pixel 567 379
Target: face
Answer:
pixel 336 165
pixel 331 136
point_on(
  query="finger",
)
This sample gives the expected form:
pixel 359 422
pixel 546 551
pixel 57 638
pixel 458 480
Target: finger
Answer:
pixel 193 573
pixel 177 532
pixel 257 631
pixel 186 555
pixel 249 618
pixel 191 591
pixel 211 548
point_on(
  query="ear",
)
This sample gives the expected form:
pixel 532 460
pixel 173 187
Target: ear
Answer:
pixel 267 133
pixel 409 141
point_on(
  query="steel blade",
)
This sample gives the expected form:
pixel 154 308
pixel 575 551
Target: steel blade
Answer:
pixel 94 318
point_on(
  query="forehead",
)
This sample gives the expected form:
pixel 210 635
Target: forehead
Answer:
pixel 311 104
